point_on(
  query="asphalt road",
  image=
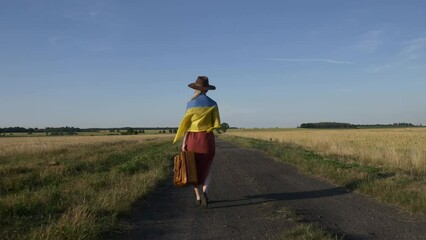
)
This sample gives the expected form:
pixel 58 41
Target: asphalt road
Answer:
pixel 248 197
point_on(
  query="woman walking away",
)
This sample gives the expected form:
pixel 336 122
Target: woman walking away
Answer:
pixel 201 117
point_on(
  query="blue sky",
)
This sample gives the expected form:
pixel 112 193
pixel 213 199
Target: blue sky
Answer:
pixel 274 63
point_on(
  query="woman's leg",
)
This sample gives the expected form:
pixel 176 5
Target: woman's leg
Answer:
pixel 198 192
pixel 207 182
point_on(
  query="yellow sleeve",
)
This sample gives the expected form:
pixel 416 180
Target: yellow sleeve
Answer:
pixel 183 127
pixel 216 118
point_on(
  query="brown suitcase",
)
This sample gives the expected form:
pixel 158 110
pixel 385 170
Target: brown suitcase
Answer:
pixel 185 169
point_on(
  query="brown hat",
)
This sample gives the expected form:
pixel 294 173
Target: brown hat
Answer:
pixel 202 84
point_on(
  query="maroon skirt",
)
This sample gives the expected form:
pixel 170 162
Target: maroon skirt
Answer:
pixel 204 146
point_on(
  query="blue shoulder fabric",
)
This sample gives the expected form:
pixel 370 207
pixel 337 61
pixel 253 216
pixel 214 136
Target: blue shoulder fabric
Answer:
pixel 201 101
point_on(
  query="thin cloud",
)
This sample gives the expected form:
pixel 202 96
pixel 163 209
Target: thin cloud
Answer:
pixel 101 48
pixel 55 40
pixel 309 60
pixel 371 40
pixel 414 48
pixel 94 13
pixel 79 15
pixel 411 51
pixel 382 67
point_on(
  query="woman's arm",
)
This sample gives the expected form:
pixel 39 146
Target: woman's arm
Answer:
pixel 184 142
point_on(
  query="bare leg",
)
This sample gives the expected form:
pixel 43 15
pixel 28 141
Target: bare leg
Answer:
pixel 197 190
pixel 207 182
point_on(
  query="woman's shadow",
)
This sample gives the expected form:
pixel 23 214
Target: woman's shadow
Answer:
pixel 272 197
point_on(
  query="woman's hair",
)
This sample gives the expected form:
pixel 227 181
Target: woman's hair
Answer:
pixel 197 94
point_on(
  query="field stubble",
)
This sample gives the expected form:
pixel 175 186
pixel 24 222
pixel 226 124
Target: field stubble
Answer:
pixel 76 187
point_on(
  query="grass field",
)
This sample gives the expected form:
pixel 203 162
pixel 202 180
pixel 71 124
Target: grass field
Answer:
pixel 76 187
pixel 400 148
pixel 387 164
pixel 81 187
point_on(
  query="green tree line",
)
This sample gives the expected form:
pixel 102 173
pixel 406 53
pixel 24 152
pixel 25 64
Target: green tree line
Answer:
pixel 327 125
pixel 56 131
pixel 349 125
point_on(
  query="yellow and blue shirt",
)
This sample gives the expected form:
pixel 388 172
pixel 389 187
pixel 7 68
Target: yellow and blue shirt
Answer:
pixel 202 115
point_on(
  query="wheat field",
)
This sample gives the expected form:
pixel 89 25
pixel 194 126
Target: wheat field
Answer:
pixel 26 145
pixel 401 148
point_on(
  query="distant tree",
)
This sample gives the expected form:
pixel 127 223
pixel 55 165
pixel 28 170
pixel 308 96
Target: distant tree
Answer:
pixel 327 125
pixel 170 131
pixel 130 131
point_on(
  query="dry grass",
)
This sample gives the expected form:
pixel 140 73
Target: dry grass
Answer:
pixel 309 232
pixel 11 145
pixel 76 187
pixel 388 184
pixel 403 149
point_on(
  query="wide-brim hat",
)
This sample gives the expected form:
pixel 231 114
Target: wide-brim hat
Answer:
pixel 202 84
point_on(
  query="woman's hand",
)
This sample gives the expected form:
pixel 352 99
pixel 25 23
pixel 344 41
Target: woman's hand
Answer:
pixel 184 142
